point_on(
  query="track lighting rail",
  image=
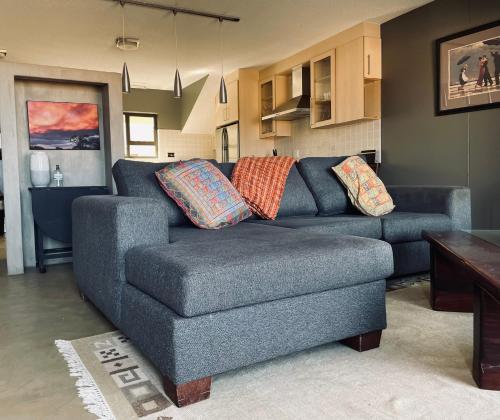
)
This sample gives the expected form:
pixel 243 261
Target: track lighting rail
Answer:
pixel 174 9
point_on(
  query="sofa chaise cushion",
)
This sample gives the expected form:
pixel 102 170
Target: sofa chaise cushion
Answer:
pixel 189 233
pixel 194 278
pixel 407 226
pixel 342 224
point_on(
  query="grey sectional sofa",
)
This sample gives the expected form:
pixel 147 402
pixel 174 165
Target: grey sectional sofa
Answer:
pixel 200 302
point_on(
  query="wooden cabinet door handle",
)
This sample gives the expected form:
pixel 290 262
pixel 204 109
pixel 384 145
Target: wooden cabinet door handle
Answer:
pixel 369 63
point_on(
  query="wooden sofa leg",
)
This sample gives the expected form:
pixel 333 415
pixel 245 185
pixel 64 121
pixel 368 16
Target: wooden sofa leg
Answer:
pixel 188 393
pixel 363 342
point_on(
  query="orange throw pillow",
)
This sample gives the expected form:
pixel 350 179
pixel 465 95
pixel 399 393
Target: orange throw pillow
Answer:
pixel 261 182
pixel 365 189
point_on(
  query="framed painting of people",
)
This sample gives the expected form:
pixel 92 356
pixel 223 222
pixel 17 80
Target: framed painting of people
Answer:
pixel 468 70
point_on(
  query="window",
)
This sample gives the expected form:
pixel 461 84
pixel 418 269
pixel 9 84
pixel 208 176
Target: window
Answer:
pixel 141 135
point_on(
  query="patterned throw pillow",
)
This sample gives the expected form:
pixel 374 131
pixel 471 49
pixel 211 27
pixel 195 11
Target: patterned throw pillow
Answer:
pixel 202 191
pixel 366 191
pixel 261 182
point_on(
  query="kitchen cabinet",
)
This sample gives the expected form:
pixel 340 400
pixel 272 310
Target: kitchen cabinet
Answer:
pixel 228 113
pixel 272 93
pixel 322 70
pixel 358 74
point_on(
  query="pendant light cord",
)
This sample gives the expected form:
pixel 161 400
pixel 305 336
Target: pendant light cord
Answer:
pixel 220 48
pixel 123 25
pixel 175 36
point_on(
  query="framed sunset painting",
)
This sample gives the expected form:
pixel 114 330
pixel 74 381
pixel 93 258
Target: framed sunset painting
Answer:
pixel 63 126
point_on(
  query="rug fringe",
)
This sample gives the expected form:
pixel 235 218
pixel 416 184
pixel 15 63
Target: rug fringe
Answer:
pixel 87 389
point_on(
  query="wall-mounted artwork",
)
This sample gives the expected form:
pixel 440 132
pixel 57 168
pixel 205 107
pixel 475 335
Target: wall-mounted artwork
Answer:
pixel 468 70
pixel 63 126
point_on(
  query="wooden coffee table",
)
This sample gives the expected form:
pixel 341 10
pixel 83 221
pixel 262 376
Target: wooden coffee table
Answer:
pixel 465 277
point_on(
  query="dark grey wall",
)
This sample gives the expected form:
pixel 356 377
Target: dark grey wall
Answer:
pixel 418 147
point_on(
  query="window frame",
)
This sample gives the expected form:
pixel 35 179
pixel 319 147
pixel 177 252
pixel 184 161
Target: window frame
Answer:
pixel 129 142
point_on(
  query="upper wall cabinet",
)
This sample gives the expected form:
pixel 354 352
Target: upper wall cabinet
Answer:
pixel 323 89
pixel 228 113
pixel 372 52
pixel 273 92
pixel 358 74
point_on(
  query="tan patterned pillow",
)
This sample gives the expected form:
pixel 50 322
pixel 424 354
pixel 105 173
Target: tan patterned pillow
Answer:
pixel 365 189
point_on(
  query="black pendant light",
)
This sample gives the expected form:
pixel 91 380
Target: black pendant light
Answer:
pixel 125 79
pixel 177 79
pixel 125 75
pixel 222 87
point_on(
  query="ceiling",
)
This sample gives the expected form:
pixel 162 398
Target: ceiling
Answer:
pixel 81 33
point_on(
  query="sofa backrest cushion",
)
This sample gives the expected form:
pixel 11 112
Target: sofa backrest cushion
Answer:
pixel 329 193
pixel 137 179
pixel 297 200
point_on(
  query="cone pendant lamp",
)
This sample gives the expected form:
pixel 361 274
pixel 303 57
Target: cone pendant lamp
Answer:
pixel 222 87
pixel 125 79
pixel 177 85
pixel 222 91
pixel 177 79
pixel 125 75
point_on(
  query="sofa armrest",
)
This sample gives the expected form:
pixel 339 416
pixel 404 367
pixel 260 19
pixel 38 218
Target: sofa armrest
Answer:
pixel 104 229
pixel 452 201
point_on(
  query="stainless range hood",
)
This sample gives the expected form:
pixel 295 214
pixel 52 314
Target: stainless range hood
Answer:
pixel 299 106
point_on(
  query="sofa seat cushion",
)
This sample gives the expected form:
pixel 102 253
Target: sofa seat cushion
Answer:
pixel 343 224
pixel 194 278
pixel 401 226
pixel 243 230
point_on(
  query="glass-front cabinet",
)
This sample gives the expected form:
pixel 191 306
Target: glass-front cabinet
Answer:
pixel 273 92
pixel 266 108
pixel 323 89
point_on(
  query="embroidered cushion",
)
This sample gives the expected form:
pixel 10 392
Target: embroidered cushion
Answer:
pixel 203 193
pixel 365 189
pixel 261 182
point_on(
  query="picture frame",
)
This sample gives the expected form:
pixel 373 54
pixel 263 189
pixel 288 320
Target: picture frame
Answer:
pixel 468 70
pixel 63 125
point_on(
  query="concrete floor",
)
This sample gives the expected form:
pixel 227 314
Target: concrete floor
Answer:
pixel 35 310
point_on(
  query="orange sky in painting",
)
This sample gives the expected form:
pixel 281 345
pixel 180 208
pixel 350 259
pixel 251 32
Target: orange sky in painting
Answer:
pixel 48 116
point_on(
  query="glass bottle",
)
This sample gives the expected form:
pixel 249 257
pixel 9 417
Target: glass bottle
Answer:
pixel 58 177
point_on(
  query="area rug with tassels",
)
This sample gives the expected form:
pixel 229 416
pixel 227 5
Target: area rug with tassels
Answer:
pixel 421 370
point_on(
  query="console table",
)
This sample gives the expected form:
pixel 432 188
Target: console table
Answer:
pixel 52 218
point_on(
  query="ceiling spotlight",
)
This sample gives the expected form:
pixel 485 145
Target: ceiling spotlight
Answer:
pixel 127 44
pixel 3 53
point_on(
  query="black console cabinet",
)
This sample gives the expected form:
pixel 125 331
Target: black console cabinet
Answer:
pixel 52 217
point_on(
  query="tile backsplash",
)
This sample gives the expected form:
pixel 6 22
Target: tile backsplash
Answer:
pixel 335 141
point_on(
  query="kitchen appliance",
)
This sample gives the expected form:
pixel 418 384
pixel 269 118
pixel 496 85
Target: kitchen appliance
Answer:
pixel 299 105
pixel 227 138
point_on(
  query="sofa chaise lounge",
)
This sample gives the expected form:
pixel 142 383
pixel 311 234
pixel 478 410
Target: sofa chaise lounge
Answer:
pixel 200 302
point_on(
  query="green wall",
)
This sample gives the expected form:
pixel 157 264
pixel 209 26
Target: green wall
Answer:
pixel 172 113
pixel 189 96
pixel 419 147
